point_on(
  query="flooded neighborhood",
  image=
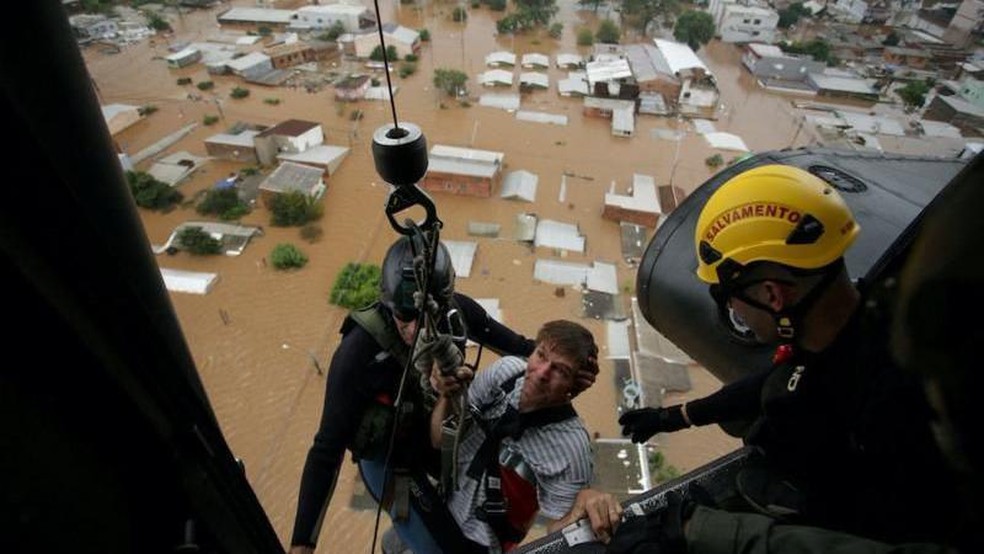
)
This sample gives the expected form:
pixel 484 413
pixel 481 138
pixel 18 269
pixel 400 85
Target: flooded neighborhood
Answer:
pixel 553 152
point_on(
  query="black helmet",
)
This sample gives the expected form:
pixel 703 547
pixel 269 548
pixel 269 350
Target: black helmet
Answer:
pixel 398 284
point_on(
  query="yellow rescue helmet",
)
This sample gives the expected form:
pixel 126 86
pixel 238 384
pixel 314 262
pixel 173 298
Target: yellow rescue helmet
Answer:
pixel 771 213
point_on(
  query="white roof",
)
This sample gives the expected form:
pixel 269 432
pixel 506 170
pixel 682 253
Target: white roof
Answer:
pixel 530 60
pixel 533 78
pixel 244 138
pixel 554 234
pixel 520 185
pixel 496 76
pixel 560 273
pixel 178 56
pixel 469 154
pixel 879 125
pixel 608 70
pixel 603 278
pixel 247 61
pixel 642 199
pixel 500 58
pixel 617 339
pixel 462 256
pixel 704 126
pixel 248 40
pixel 541 117
pixel 404 34
pixel 766 50
pixel 623 121
pixel 333 9
pixel 679 56
pixel 257 15
pixel 846 84
pixel 572 85
pixel 726 141
pixel 569 59
pixel 193 282
pixel 380 93
pixel 464 161
pixel 524 227
pixel 502 101
pixel 110 111
pixel 321 154
pixel 939 129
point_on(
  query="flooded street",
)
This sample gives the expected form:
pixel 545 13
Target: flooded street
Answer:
pixel 257 368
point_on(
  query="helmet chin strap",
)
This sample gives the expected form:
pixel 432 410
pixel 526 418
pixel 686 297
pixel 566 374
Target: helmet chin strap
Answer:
pixel 788 320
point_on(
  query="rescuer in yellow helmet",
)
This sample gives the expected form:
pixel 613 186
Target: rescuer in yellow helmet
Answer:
pixel 842 431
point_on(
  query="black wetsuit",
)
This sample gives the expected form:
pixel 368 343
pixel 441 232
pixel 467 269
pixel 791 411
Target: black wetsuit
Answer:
pixel 852 430
pixel 361 372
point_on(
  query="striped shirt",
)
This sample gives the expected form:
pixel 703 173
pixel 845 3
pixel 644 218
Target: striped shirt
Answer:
pixel 558 454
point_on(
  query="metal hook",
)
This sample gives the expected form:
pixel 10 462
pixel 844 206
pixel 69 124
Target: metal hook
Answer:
pixel 408 196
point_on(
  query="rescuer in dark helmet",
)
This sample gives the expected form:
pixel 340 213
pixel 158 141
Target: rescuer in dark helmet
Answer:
pixel 363 382
pixel 840 428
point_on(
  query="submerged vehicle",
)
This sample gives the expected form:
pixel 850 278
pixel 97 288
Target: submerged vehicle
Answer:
pixel 109 442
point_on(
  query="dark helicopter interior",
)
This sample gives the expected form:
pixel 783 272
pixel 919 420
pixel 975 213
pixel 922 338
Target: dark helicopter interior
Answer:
pixel 109 443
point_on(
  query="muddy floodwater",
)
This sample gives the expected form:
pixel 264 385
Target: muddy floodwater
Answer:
pixel 256 363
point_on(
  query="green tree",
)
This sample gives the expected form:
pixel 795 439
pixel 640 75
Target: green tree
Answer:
pixel 459 14
pixel 336 30
pixel 638 13
pixel 287 256
pixel 156 22
pixel 497 5
pixel 224 203
pixel 789 16
pixel 196 241
pixel 714 161
pixel 608 32
pixel 391 55
pixel 239 92
pixel 425 35
pixel 695 28
pixel 818 49
pixel 659 469
pixel 556 30
pixel 150 193
pixel 536 13
pixel 585 37
pixel 913 94
pixel 291 209
pixel 356 286
pixel 407 69
pixel 205 85
pixel 451 81
pixel 312 232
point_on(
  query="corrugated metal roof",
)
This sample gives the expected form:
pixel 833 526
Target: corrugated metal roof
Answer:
pixel 509 102
pixel 524 229
pixel 110 111
pixel 679 56
pixel 560 273
pixel 726 141
pixel 532 78
pixel 603 278
pixel 290 176
pixel 603 71
pixel 554 234
pixel 244 138
pixel 566 60
pixel 617 339
pixel 843 84
pixel 256 15
pixel 623 121
pixel 520 185
pixel 482 229
pixel 535 60
pixel 496 77
pixel 192 282
pixel 322 154
pixel 500 57
pixel 290 128
pixel 642 199
pixel 541 117
pixel 399 32
pixel 462 256
pixel 248 61
pixel 467 154
pixel 572 86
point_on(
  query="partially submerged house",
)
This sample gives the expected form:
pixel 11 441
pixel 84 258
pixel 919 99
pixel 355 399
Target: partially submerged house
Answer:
pixel 250 66
pixel 535 61
pixel 287 137
pixel 464 171
pixel 120 116
pixel 237 147
pixel 254 19
pixel 351 17
pixel 292 177
pixel 234 238
pixel 698 90
pixel 576 84
pixel 325 157
pixel 352 88
pixel 177 167
pixel 183 58
pixel 640 206
pixel 361 44
pixel 776 69
pixel 520 185
pixel 556 234
pixel 570 61
pixel 496 78
pixel 530 80
pixel 501 59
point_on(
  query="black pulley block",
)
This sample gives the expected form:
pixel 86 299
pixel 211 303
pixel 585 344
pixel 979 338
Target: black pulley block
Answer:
pixel 400 154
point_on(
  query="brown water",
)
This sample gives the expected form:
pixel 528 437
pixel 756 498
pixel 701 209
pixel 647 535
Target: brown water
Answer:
pixel 257 369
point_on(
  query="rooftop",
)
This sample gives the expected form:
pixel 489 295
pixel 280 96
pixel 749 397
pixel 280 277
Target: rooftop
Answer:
pixel 289 128
pixel 290 176
pixel 679 56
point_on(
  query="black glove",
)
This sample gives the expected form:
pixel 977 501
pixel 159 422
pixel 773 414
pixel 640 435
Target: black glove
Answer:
pixel 645 422
pixel 658 532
